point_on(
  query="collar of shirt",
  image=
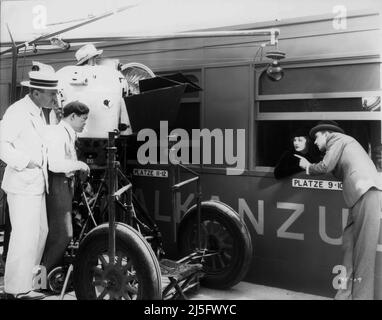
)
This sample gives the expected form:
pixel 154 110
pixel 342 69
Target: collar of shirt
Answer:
pixel 32 107
pixel 70 130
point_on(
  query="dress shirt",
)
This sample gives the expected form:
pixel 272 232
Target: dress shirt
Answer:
pixel 62 157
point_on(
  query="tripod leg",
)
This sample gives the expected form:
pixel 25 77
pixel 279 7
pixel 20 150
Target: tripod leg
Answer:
pixel 68 273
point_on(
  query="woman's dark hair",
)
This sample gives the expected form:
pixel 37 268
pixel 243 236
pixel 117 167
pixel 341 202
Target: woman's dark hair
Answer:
pixel 76 107
pixel 301 132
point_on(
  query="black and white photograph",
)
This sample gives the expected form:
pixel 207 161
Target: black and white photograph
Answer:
pixel 210 151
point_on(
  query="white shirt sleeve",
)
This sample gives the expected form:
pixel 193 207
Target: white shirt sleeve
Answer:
pixel 57 157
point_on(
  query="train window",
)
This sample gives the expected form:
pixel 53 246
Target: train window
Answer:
pixel 364 77
pixel 274 137
pixel 308 94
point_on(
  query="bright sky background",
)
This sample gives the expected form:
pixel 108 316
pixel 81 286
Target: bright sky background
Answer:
pixel 150 17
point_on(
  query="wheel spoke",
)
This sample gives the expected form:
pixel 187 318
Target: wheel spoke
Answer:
pixel 222 232
pixel 225 236
pixel 227 255
pixel 119 260
pixel 103 260
pixel 129 288
pixel 220 259
pixel 213 261
pixel 98 283
pixel 97 271
pixel 103 294
pixel 213 227
pixel 130 276
pixel 126 268
pixel 127 296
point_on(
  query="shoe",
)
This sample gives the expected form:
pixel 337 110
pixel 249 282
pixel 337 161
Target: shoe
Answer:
pixel 46 292
pixel 6 296
pixel 31 295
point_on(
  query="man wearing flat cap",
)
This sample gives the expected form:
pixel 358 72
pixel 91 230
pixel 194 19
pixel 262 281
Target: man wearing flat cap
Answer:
pixel 362 192
pixel 23 149
pixel 62 164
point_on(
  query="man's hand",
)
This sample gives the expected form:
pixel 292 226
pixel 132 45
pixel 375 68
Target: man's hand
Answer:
pixel 33 164
pixel 303 162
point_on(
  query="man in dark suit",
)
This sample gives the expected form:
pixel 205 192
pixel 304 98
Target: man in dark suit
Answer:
pixel 362 186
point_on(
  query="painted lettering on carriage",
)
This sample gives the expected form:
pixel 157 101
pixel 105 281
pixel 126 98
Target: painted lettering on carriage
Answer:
pixel 245 210
pixel 317 184
pixel 257 219
pixel 298 209
pixel 322 225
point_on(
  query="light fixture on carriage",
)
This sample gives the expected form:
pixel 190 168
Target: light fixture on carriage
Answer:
pixel 274 71
pixel 55 41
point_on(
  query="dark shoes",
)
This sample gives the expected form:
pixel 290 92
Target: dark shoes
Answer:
pixel 31 295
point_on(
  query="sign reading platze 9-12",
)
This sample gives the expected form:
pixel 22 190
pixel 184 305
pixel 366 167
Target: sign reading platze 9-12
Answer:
pixel 317 184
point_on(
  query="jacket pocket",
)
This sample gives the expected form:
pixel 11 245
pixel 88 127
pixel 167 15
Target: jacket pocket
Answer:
pixel 30 176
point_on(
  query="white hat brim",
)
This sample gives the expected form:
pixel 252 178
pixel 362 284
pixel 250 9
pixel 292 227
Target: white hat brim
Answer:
pixel 27 84
pixel 81 61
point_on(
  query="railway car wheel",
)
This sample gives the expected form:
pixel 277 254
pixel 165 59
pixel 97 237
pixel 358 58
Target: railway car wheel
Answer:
pixel 134 275
pixel 226 239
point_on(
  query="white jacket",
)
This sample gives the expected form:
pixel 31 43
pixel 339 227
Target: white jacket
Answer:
pixel 22 140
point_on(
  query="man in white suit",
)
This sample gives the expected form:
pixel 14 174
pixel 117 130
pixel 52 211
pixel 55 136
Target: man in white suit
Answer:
pixel 22 148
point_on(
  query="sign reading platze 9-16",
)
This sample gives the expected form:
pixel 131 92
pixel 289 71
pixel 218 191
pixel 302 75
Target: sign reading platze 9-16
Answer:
pixel 150 173
pixel 317 184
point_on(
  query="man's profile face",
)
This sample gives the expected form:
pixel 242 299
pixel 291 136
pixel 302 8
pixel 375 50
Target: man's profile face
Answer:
pixel 78 122
pixel 320 140
pixel 46 98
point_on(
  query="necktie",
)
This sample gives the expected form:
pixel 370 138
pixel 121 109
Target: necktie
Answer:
pixel 42 116
pixel 45 115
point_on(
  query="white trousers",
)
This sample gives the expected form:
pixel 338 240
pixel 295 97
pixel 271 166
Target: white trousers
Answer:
pixel 29 231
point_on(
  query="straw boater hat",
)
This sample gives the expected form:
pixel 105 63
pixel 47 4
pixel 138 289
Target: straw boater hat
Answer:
pixel 42 80
pixel 86 52
pixel 327 125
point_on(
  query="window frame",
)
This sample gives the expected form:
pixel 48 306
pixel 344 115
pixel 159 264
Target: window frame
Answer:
pixel 285 116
